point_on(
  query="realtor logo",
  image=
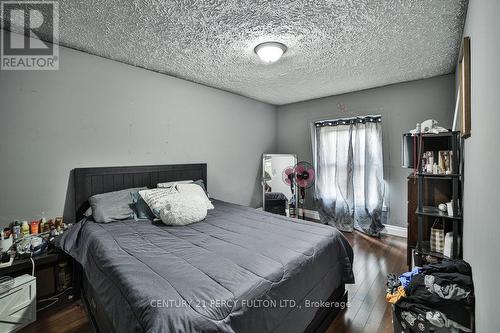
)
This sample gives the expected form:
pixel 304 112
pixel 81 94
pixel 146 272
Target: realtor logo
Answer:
pixel 29 35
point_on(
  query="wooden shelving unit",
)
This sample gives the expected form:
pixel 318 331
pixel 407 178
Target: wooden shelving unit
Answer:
pixel 426 208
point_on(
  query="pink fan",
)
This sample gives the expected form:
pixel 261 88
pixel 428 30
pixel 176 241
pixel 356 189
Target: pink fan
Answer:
pixel 304 178
pixel 304 174
pixel 287 175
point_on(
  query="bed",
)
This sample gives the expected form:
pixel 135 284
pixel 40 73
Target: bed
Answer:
pixel 239 270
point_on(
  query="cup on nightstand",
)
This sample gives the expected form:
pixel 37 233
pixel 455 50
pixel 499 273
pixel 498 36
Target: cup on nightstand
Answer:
pixel 5 243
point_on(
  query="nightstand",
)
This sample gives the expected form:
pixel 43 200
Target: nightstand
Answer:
pixel 18 304
pixel 46 270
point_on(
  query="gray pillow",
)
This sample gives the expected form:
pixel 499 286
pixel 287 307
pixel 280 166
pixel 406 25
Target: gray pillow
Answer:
pixel 88 212
pixel 201 184
pixel 113 206
pixel 140 208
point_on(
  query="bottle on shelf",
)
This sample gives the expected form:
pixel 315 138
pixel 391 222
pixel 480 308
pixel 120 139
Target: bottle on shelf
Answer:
pixel 34 226
pixel 16 230
pixel 25 228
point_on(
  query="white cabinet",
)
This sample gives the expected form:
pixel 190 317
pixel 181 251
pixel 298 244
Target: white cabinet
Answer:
pixel 18 305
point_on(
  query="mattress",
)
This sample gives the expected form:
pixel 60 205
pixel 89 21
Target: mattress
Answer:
pixel 239 270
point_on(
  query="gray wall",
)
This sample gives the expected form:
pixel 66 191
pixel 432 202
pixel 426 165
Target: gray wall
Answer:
pixel 482 160
pixel 401 107
pixel 97 112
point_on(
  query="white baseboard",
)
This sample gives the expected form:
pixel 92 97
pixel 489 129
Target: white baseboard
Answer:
pixel 389 229
pixel 312 214
pixel 395 231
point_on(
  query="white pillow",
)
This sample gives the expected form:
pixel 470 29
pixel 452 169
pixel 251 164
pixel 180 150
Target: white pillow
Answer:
pixel 197 190
pixel 170 184
pixel 157 198
pixel 183 209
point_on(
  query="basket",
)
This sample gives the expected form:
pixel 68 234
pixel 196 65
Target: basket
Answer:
pixel 437 237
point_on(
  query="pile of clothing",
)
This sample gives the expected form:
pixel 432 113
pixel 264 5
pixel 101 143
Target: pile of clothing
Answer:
pixel 437 297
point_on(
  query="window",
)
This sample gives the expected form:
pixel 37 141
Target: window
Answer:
pixel 349 167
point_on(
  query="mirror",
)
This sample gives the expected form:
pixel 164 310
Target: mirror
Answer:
pixel 277 196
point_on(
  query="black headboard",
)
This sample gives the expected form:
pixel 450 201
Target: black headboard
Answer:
pixel 90 181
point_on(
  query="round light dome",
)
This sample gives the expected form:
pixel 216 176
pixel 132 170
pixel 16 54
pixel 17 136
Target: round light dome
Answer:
pixel 270 52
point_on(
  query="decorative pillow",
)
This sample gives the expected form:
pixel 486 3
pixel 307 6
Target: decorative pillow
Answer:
pixel 157 198
pixel 170 184
pixel 112 206
pixel 197 190
pixel 183 209
pixel 140 207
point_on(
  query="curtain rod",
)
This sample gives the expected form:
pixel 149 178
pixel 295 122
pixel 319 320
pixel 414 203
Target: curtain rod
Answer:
pixel 347 121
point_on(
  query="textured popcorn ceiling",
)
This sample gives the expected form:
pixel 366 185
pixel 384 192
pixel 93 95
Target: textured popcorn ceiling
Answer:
pixel 334 46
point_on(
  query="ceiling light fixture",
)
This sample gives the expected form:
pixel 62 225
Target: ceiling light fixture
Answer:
pixel 270 52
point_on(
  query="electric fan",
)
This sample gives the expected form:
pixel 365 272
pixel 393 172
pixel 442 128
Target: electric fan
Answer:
pixel 304 178
pixel 303 175
pixel 288 176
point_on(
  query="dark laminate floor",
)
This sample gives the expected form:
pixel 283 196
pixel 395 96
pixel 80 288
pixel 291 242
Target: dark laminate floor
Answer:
pixel 368 311
pixel 373 260
pixel 70 319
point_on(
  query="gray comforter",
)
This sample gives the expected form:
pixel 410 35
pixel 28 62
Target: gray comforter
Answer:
pixel 239 270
